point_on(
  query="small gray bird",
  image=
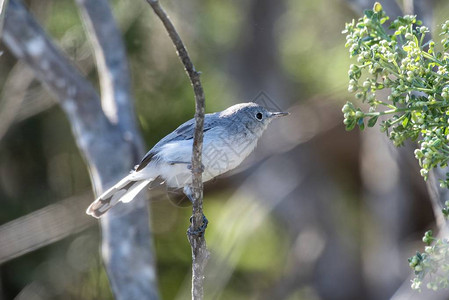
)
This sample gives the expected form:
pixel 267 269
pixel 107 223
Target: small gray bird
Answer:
pixel 229 137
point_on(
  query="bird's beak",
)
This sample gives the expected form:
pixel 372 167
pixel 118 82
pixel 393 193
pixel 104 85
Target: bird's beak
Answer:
pixel 279 114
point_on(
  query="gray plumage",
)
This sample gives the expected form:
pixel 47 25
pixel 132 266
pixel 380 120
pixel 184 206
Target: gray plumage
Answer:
pixel 229 137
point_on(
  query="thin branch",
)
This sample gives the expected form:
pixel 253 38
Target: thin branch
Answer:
pixel 197 242
pixel 110 151
pixel 37 99
pixel 44 226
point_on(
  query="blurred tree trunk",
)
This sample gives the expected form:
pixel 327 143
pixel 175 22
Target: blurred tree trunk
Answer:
pixel 105 132
pixel 387 195
pixel 257 68
pixel 322 249
pixel 255 63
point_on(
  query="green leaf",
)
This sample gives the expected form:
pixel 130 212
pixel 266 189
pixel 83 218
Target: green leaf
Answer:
pixel 406 121
pixel 407 48
pixel 372 121
pixel 384 19
pixel 369 13
pixel 350 126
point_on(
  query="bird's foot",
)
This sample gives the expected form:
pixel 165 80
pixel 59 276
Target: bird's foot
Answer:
pixel 199 170
pixel 200 230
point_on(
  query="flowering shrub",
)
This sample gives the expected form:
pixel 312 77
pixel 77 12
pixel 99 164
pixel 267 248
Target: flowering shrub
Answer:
pixel 400 60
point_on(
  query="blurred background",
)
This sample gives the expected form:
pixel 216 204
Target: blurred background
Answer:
pixel 315 213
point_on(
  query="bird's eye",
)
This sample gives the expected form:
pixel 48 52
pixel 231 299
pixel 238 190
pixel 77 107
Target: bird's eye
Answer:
pixel 259 116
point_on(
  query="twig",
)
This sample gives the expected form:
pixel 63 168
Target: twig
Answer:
pixel 197 242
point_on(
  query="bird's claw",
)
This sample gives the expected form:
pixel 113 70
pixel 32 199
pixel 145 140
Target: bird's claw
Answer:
pixel 199 170
pixel 200 231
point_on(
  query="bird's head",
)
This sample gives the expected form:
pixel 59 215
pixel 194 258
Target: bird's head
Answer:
pixel 251 116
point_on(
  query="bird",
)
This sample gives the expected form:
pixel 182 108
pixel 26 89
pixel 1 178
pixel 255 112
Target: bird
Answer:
pixel 229 137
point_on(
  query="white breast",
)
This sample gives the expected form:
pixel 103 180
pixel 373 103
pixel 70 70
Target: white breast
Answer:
pixel 221 153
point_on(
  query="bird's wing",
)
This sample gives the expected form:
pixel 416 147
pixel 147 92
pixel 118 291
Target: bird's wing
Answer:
pixel 183 132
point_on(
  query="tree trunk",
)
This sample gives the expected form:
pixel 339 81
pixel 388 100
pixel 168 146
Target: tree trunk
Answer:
pixel 105 133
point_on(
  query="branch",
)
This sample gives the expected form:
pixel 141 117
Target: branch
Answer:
pixel 197 242
pixel 44 226
pixel 110 55
pixel 109 150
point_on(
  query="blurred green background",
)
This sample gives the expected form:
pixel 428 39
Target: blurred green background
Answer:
pixel 315 212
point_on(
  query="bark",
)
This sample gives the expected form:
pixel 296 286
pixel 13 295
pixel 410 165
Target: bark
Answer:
pixel 109 148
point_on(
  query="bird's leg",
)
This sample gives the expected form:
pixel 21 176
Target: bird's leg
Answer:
pixel 201 229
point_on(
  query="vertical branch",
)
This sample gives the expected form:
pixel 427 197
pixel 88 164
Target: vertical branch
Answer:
pixel 197 242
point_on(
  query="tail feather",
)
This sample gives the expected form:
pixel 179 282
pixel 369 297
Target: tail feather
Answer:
pixel 125 190
pixel 134 190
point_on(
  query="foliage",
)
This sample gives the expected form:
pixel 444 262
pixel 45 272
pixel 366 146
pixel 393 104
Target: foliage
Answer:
pixel 434 260
pixel 400 60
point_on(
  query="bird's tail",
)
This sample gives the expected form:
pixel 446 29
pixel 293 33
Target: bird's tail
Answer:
pixel 125 191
